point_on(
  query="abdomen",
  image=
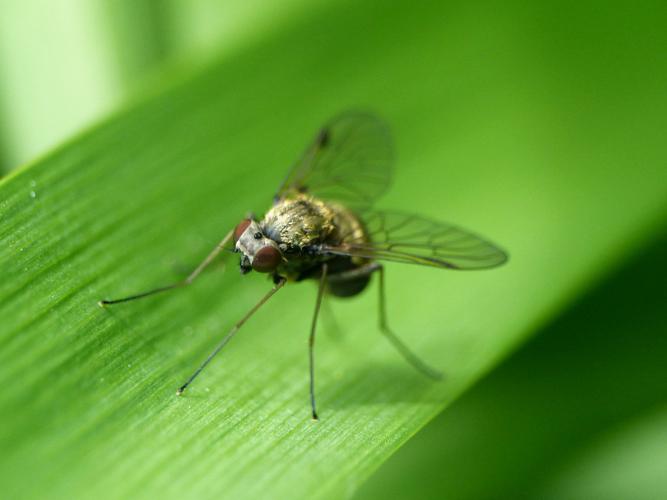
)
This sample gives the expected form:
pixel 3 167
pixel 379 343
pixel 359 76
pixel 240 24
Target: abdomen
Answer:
pixel 350 230
pixel 348 287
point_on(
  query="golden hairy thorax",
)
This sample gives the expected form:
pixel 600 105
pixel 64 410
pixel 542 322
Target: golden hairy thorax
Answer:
pixel 301 220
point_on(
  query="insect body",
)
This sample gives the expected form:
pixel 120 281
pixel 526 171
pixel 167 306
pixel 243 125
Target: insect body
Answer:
pixel 290 242
pixel 322 227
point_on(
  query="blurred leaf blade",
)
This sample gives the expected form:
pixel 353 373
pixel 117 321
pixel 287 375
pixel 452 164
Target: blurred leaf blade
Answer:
pixel 628 462
pixel 538 425
pixel 88 406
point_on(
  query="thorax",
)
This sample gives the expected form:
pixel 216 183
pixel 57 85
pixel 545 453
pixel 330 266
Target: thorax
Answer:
pixel 301 223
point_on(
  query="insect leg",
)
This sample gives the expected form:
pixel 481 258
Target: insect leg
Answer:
pixel 311 339
pixel 409 356
pixel 358 272
pixel 231 333
pixel 209 258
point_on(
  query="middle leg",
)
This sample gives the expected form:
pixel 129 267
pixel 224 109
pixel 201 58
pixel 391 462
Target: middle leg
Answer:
pixel 311 339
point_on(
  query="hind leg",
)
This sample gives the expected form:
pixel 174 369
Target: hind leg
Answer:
pixel 365 271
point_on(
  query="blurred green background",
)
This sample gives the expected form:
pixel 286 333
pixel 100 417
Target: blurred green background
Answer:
pixel 159 122
pixel 68 63
pixel 576 413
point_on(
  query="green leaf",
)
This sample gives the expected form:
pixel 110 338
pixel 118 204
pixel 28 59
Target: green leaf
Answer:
pixel 513 129
pixel 532 427
pixel 627 463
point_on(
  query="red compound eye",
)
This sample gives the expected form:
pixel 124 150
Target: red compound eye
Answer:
pixel 266 259
pixel 240 228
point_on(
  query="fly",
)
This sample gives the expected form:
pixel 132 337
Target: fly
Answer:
pixel 322 227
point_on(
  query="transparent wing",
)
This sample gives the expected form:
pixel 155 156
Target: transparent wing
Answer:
pixel 349 161
pixel 413 239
